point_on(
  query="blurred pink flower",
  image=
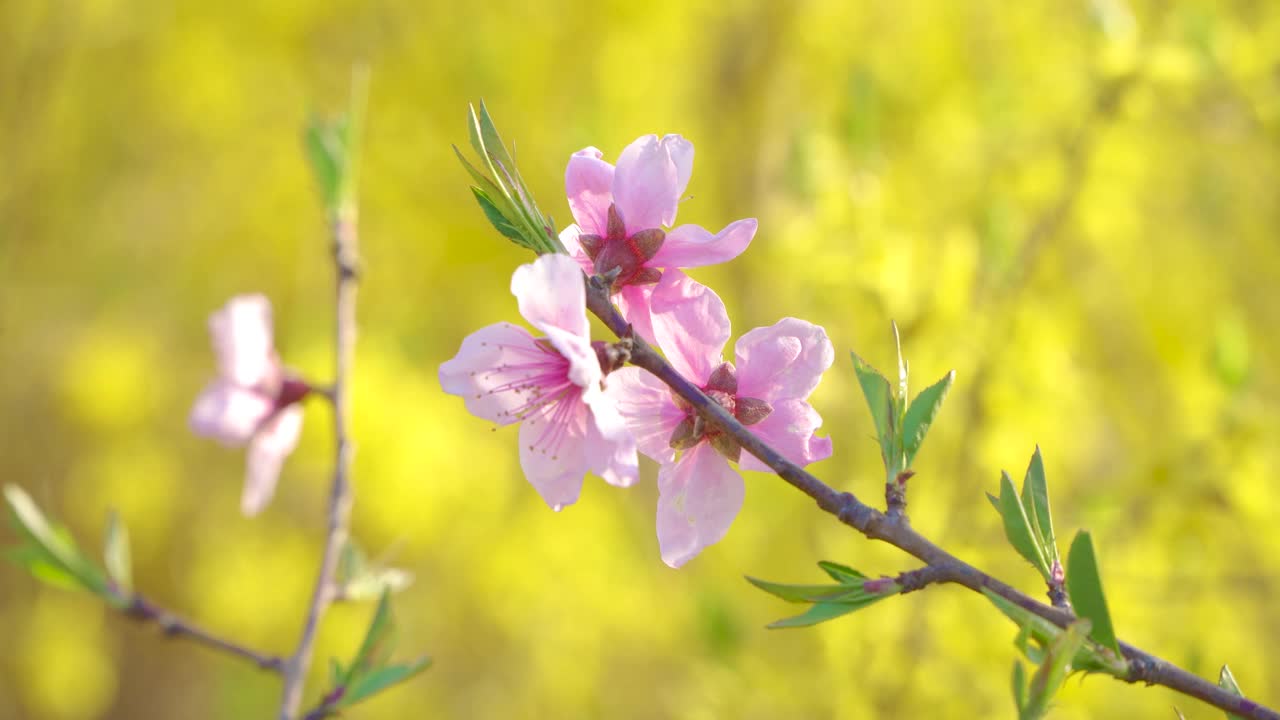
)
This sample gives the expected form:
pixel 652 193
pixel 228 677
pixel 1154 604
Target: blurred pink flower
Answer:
pixel 550 385
pixel 620 214
pixel 253 401
pixel 778 367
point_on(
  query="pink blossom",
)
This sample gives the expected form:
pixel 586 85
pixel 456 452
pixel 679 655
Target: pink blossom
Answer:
pixel 620 214
pixel 253 401
pixel 550 385
pixel 777 369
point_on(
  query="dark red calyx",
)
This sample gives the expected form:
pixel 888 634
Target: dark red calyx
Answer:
pixel 625 253
pixel 292 390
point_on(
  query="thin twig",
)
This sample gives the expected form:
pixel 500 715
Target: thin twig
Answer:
pixel 345 256
pixel 875 525
pixel 145 611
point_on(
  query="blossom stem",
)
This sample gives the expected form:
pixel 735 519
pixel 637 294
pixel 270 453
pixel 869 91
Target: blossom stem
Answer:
pixel 341 495
pixel 143 610
pixel 875 525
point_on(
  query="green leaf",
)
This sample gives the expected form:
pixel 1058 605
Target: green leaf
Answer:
pixel 875 388
pixel 801 593
pixel 1084 586
pixel 116 553
pixel 1053 672
pixel 378 641
pixel 918 418
pixel 1019 687
pixel 333 147
pixel 819 613
pixel 497 219
pixel 379 680
pixel 326 149
pixel 1227 682
pixel 841 573
pixel 900 404
pixel 1089 658
pixel 1017 527
pixel 55 554
pixel 1035 498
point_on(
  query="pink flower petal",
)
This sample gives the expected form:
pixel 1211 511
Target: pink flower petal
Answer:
pixel 267 451
pixel 553 452
pixel 241 334
pixel 645 404
pixel 610 446
pixel 694 246
pixel 789 429
pixel 569 238
pixel 588 181
pixel 633 304
pixel 229 413
pixel 681 152
pixel 783 361
pixel 689 324
pixel 646 183
pixel 495 368
pixel 550 294
pixel 699 496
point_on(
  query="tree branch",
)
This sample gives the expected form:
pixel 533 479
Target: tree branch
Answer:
pixel 896 531
pixel 345 254
pixel 145 611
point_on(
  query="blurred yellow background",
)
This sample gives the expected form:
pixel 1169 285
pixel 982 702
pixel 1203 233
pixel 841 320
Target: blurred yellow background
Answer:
pixel 1072 204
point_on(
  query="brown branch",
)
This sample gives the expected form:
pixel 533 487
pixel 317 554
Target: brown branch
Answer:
pixel 144 611
pixel 345 256
pixel 896 531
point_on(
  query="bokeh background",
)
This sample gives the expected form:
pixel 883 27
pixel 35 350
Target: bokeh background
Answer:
pixel 1072 204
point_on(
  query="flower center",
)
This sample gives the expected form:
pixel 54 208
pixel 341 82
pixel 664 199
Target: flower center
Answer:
pixel 721 388
pixel 617 252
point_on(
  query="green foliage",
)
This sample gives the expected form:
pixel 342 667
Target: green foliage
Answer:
pixel 359 579
pixel 1036 637
pixel 900 427
pixel 1227 682
pixel 50 554
pixel 853 591
pixel 333 147
pixel 1084 586
pixel 1055 665
pixel 371 670
pixel 502 193
pixel 116 555
pixel 1028 523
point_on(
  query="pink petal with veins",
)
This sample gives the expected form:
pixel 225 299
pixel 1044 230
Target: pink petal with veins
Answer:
pixel 699 496
pixel 783 361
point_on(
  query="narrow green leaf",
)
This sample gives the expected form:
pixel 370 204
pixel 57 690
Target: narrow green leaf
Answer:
pixel 54 574
pixel 378 642
pixel 1084 586
pixel 875 388
pixel 325 144
pixel 116 553
pixel 919 417
pixel 841 573
pixel 54 542
pixel 801 593
pixel 1035 497
pixel 497 219
pixel 1053 672
pixel 379 680
pixel 1017 527
pixel 1227 682
pixel 901 376
pixel 1019 687
pixel 1089 659
pixel 819 613
pixel 336 673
